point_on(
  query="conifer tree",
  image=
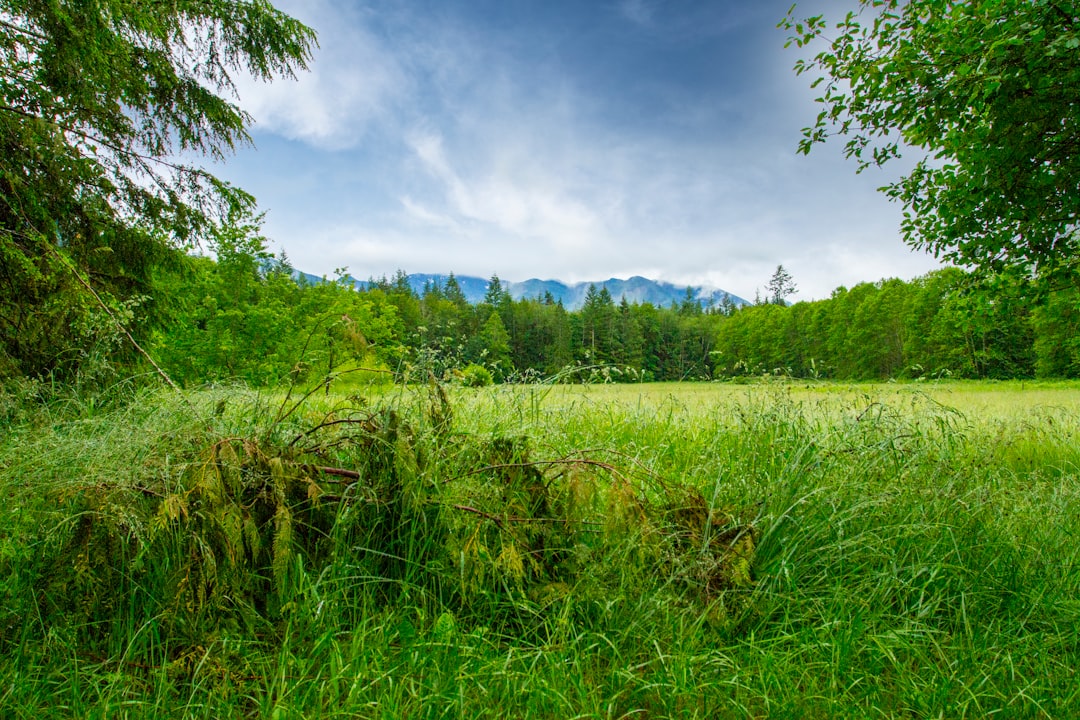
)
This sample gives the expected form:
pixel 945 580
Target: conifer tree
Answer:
pixel 496 295
pixel 97 102
pixel 497 343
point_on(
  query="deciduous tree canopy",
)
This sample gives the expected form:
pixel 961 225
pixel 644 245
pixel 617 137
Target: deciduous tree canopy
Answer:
pixel 989 90
pixel 97 100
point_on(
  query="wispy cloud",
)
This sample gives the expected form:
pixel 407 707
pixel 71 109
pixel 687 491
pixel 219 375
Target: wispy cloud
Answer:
pixel 355 81
pixel 427 217
pixel 519 190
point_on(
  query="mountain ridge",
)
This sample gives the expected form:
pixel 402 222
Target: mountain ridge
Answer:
pixel 635 289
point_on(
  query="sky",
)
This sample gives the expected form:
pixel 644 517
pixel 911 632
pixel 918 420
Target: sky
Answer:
pixel 575 140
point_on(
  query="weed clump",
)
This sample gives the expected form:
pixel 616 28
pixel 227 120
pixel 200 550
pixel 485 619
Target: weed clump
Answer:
pixel 245 531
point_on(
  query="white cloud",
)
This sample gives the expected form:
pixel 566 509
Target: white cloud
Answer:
pixel 355 80
pixel 427 217
pixel 579 204
pixel 512 188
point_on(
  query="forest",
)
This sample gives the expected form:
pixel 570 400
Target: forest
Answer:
pixel 244 317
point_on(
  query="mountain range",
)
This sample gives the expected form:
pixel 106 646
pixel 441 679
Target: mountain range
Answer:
pixel 635 289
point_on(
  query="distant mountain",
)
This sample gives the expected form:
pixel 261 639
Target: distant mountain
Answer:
pixel 636 290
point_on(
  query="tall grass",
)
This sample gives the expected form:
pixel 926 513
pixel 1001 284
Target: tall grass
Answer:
pixel 541 553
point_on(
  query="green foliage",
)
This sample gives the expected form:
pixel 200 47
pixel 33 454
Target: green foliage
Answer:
pixel 495 296
pixel 985 90
pixel 476 376
pixel 233 523
pixel 1057 335
pixel 780 286
pixel 496 344
pixel 95 102
pixel 242 318
pixel 946 323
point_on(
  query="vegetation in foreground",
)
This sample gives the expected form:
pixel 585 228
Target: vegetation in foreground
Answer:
pixel 513 553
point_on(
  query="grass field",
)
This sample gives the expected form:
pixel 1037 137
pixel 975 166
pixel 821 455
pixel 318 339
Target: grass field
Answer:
pixel 1003 400
pixel 780 550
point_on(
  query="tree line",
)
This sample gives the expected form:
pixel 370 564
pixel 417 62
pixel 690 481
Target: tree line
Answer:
pixel 244 316
pixel 947 323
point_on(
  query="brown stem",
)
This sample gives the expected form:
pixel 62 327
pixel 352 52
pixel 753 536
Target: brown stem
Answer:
pixel 339 472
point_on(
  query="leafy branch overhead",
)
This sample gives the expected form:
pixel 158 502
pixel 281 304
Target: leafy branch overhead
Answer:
pixel 988 91
pixel 98 103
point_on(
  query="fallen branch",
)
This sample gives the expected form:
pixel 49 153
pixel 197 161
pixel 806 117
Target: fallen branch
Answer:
pixel 339 472
pixel 500 521
pixel 493 518
pixel 565 461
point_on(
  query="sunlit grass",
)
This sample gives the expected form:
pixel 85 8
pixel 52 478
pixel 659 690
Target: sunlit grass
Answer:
pixel 987 398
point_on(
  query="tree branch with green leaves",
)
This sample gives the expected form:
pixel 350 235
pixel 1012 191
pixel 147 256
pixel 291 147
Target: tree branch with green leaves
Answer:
pixel 986 94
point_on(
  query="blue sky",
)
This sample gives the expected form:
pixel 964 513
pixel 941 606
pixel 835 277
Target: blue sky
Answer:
pixel 574 140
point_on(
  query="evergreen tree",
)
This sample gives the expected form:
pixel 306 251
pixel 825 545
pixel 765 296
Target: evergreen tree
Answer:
pixel 401 284
pixel 690 305
pixel 496 341
pixel 496 296
pixel 598 331
pixel 629 341
pixel 97 103
pixel 452 291
pixel 433 290
pixel 728 306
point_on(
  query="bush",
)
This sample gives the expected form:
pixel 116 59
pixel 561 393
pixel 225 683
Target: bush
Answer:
pixel 476 376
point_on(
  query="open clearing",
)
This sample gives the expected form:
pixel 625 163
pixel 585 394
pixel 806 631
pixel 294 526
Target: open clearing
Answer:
pixel 985 399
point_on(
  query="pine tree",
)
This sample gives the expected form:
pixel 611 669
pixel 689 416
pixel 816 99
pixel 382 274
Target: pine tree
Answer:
pixel 453 292
pixel 495 296
pixel 690 305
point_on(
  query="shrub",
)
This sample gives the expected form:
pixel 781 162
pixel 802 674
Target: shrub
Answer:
pixel 476 376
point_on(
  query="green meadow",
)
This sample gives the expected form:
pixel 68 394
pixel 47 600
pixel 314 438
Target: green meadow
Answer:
pixel 701 550
pixel 1008 399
